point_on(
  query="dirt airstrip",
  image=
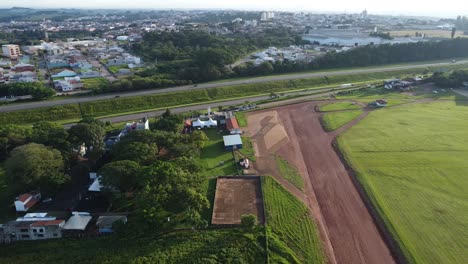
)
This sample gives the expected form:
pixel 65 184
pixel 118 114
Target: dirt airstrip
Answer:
pixel 294 132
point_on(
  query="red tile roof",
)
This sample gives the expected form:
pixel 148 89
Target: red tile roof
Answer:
pixel 47 223
pixel 24 197
pixel 231 123
pixel 31 203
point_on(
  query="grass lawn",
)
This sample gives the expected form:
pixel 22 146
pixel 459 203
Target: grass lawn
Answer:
pixel 93 83
pixel 289 172
pixel 333 121
pixel 339 106
pixel 247 149
pixel 241 120
pixel 213 154
pixel 412 161
pixel 292 234
pixel 205 246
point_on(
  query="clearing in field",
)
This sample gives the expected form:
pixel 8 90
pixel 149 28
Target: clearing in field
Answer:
pixel 335 120
pixel 292 235
pixel 412 161
pixel 235 197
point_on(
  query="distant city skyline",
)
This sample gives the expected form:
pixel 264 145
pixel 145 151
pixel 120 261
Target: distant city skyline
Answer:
pixel 449 8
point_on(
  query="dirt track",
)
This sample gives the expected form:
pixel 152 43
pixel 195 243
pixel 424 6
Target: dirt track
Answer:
pixel 346 227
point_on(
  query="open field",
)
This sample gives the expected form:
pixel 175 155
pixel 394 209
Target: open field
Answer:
pixel 335 120
pixel 339 106
pixel 292 234
pixel 289 172
pixel 346 227
pixel 94 83
pixel 235 197
pixel 209 246
pixel 412 162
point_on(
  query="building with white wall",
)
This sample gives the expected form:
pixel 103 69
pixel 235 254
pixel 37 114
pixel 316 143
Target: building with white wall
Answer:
pixel 11 51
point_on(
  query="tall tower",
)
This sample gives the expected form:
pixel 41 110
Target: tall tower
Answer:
pixel 46 34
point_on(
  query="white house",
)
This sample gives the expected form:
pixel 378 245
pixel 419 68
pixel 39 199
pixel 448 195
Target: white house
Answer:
pixel 26 201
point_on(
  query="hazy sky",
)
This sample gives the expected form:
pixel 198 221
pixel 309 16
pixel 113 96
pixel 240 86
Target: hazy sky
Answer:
pixel 448 8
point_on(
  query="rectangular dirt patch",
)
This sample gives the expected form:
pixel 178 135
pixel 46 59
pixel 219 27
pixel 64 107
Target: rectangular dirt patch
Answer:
pixel 235 197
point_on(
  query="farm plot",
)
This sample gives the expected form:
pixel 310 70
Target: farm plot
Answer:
pixel 235 197
pixel 412 162
pixel 293 236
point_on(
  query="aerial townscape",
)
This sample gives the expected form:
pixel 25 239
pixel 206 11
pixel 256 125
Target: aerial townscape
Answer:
pixel 201 134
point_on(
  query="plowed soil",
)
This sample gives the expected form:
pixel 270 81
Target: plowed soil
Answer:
pixel 346 227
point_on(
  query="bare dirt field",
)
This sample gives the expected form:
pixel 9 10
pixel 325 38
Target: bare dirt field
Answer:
pixel 346 227
pixel 237 196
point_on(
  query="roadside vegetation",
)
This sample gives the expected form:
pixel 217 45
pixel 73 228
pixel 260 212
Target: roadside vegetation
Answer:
pixel 339 106
pixel 135 104
pixel 335 120
pixel 289 172
pixel 292 234
pixel 411 161
pixel 209 246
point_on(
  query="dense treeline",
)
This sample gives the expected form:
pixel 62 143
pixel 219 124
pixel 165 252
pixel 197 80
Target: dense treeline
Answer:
pixel 367 56
pixel 450 80
pixel 198 56
pixel 28 37
pixel 36 89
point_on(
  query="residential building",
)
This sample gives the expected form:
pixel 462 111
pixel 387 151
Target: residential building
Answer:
pixel 11 51
pixel 25 201
pixel 34 226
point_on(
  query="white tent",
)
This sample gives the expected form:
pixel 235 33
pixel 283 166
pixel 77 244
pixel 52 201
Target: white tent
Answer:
pixel 209 123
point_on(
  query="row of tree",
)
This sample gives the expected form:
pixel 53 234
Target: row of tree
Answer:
pixel 36 89
pixel 453 79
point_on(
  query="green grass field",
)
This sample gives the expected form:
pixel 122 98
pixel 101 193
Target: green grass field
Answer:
pixel 213 154
pixel 339 106
pixel 241 120
pixel 93 83
pixel 412 161
pixel 289 172
pixel 209 246
pixel 333 121
pixel 292 234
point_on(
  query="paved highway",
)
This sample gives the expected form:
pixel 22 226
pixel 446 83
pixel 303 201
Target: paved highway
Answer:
pixel 16 107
